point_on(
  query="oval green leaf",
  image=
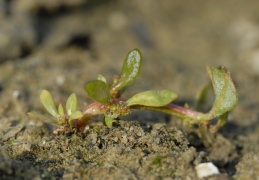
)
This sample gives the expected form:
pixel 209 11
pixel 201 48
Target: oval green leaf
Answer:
pixel 130 69
pixel 202 96
pixel 71 104
pixel 76 115
pixel 48 103
pixel 99 91
pixel 152 98
pixel 61 110
pixel 226 97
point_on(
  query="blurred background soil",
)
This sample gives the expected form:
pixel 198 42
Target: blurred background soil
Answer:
pixel 59 45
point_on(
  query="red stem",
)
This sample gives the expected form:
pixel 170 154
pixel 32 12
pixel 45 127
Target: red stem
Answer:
pixel 97 108
pixel 178 111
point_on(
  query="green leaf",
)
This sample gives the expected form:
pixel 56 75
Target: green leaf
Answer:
pixel 99 91
pixel 43 117
pixel 225 92
pixel 202 96
pixel 61 110
pixel 75 115
pixel 130 69
pixel 48 103
pixel 71 104
pixel 152 98
pixel 108 121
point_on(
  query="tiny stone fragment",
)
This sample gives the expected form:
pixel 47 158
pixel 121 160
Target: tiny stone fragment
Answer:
pixel 206 169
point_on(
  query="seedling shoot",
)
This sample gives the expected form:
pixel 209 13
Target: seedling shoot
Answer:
pixel 108 101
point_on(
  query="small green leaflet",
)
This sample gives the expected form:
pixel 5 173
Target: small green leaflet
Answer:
pixel 225 92
pixel 48 103
pixel 75 115
pixel 99 91
pixel 61 110
pixel 108 121
pixel 71 104
pixel 152 98
pixel 130 69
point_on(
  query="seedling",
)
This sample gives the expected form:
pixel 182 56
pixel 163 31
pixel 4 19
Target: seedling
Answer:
pixel 59 117
pixel 108 101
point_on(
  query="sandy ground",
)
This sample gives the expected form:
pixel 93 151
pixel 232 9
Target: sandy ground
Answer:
pixel 60 45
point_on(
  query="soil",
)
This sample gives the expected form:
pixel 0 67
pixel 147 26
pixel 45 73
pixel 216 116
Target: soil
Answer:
pixel 60 45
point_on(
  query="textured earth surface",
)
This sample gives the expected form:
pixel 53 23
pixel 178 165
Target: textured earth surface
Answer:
pixel 60 45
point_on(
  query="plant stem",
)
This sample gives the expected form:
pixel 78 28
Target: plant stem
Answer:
pixel 91 110
pixel 183 113
pixel 189 115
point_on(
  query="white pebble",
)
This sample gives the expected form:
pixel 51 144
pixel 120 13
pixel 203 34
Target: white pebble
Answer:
pixel 16 93
pixel 60 80
pixel 206 169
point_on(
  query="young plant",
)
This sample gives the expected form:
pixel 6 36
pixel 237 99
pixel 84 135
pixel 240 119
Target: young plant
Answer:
pixel 58 115
pixel 109 104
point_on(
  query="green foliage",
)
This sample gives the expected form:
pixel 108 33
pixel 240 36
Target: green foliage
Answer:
pixel 108 121
pixel 74 115
pixel 58 115
pixel 130 70
pixel 202 96
pixel 225 92
pixel 48 103
pixel 152 98
pixel 71 104
pixel 108 103
pixel 99 91
pixel 61 110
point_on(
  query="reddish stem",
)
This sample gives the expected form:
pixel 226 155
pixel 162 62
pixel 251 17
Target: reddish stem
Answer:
pixel 178 111
pixel 97 108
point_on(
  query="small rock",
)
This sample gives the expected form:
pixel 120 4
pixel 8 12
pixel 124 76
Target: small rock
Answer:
pixel 60 80
pixel 206 169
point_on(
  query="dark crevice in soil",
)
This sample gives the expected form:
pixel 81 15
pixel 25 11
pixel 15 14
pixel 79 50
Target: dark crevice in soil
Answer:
pixel 229 168
pixel 41 26
pixel 80 40
pixel 231 129
pixel 25 51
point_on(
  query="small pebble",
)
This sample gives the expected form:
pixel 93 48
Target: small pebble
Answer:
pixel 60 80
pixel 206 169
pixel 16 93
